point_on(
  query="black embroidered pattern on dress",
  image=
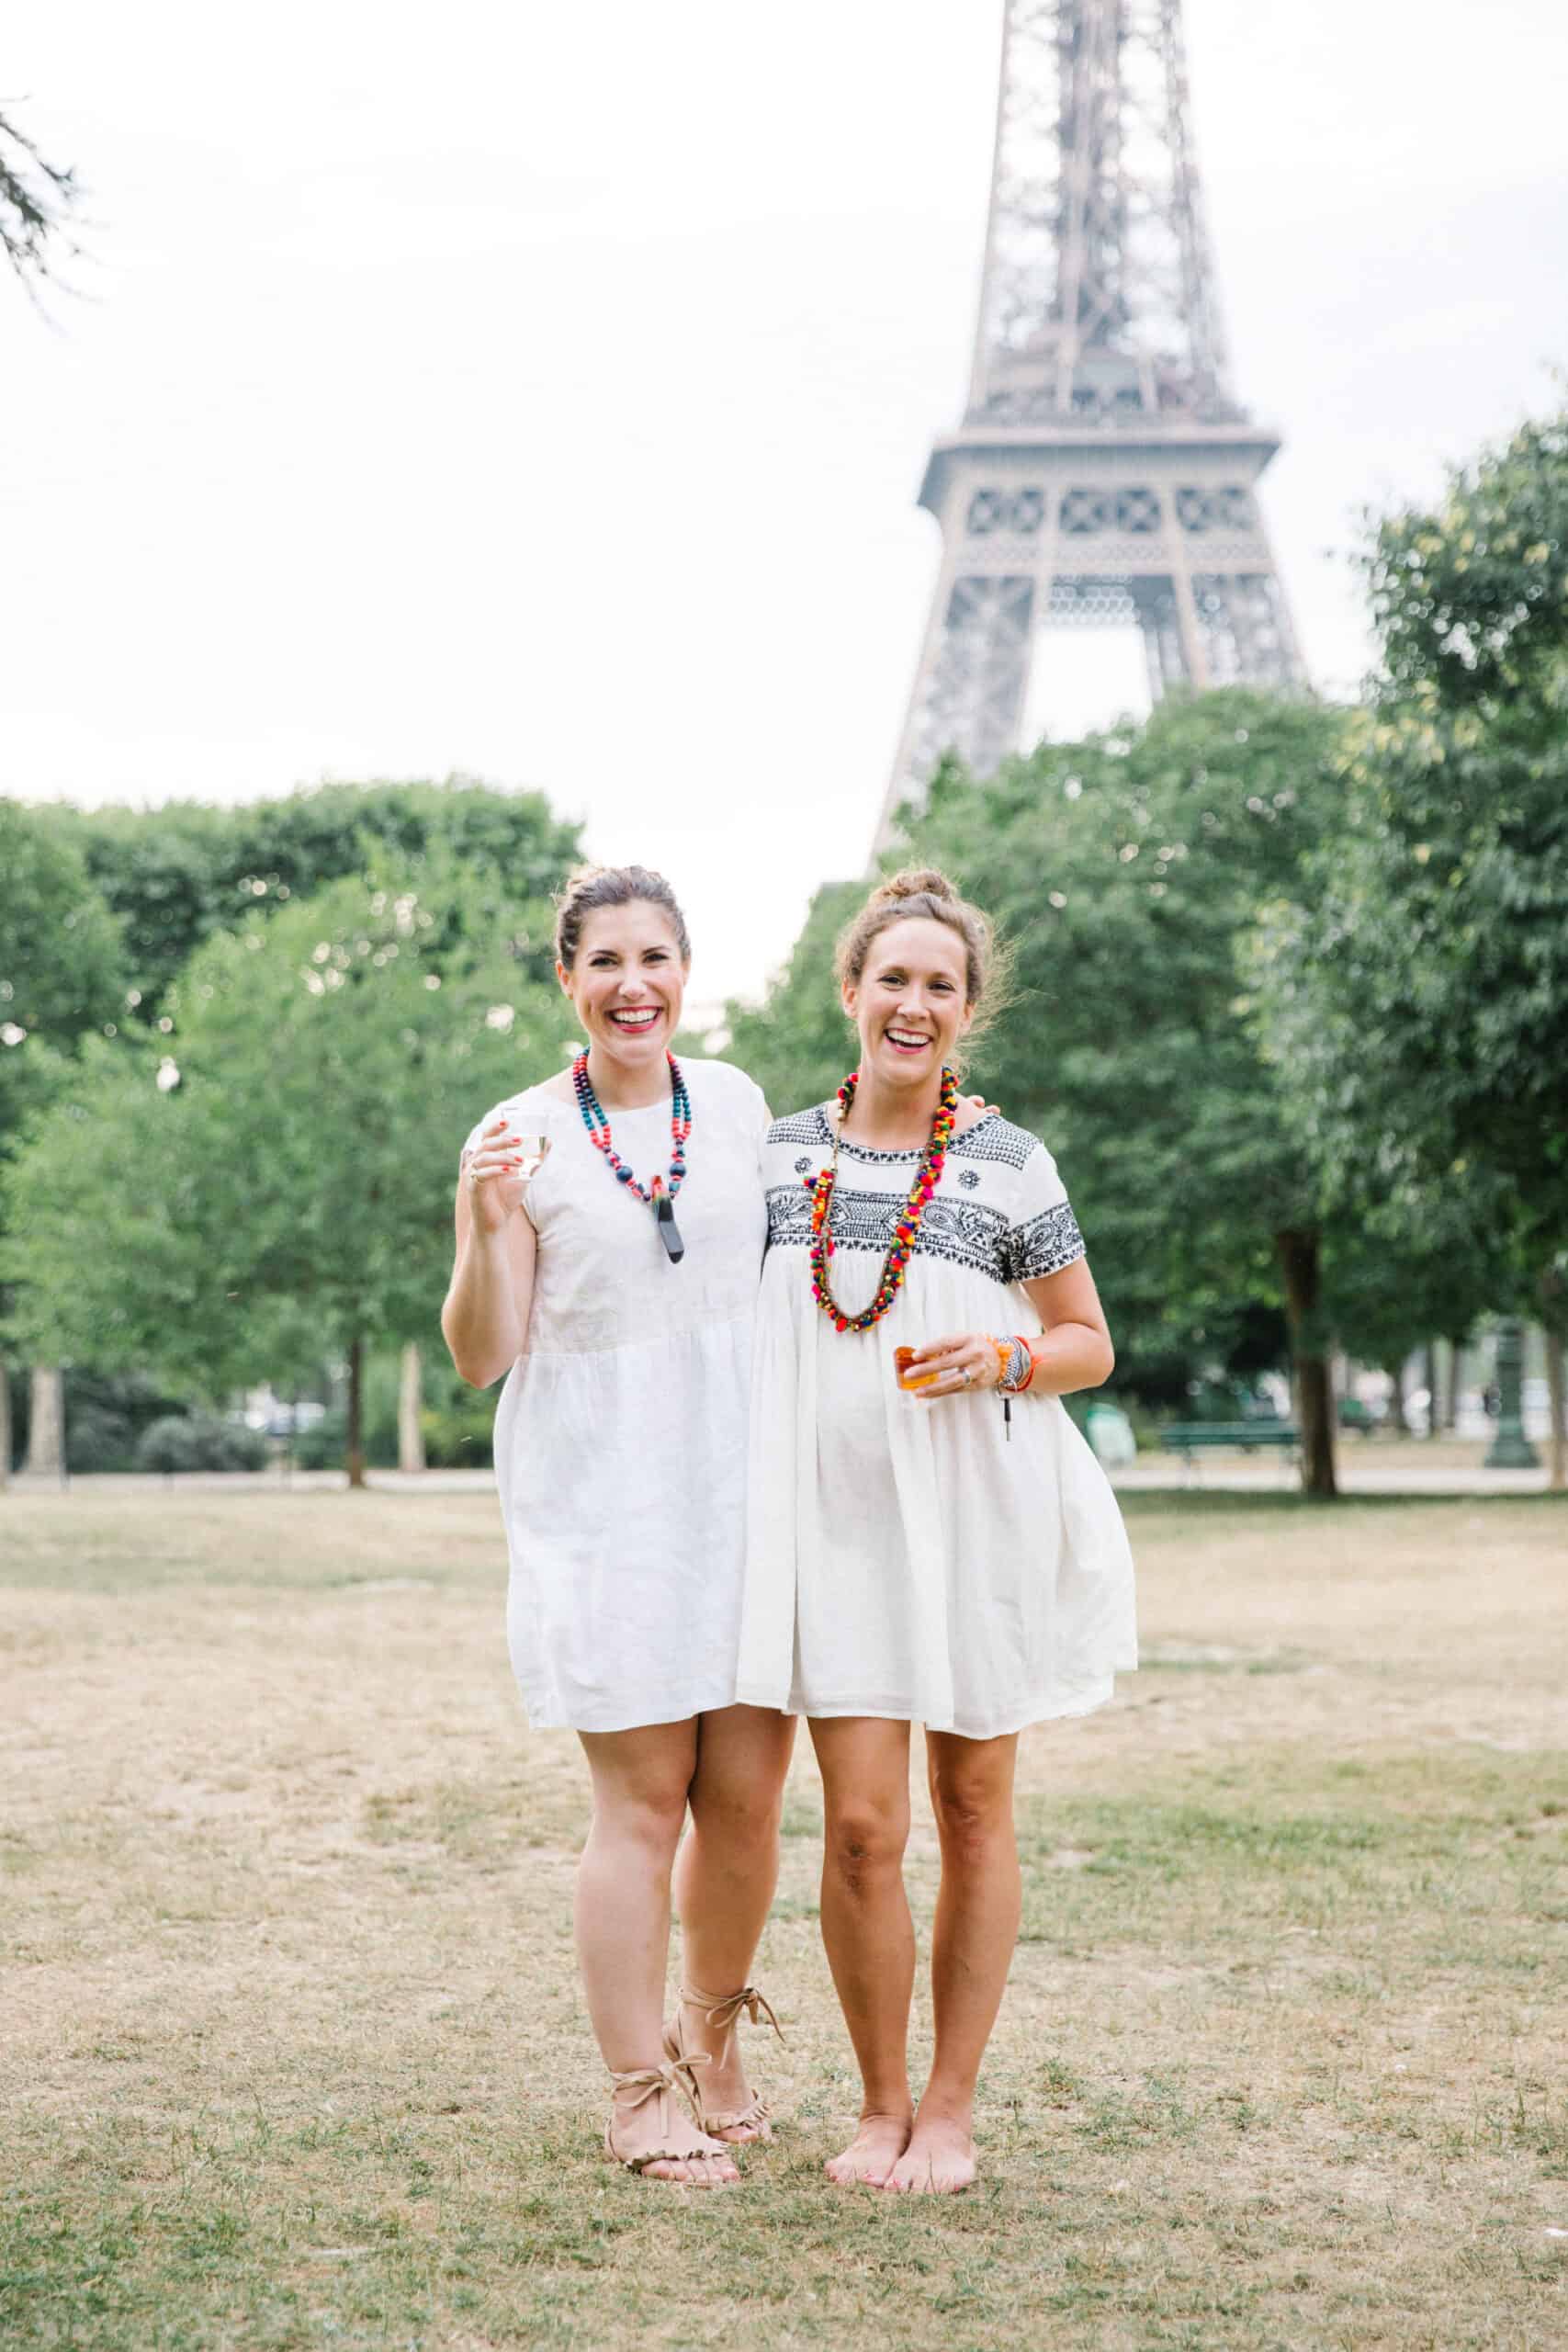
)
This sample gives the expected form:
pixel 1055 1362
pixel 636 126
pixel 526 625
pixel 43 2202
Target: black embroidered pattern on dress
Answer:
pixel 1043 1245
pixel 994 1139
pixel 805 1126
pixel 963 1232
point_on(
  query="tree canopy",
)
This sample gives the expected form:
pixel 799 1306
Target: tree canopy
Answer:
pixel 273 1180
pixel 1416 988
pixel 175 874
pixel 61 963
pixel 1125 871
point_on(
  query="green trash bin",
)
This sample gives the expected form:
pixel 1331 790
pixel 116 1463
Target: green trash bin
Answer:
pixel 1110 1433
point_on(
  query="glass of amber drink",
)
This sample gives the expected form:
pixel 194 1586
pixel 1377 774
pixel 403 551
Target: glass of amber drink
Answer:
pixel 910 1375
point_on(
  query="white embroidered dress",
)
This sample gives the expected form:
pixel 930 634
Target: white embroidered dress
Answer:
pixel 620 1437
pixel 905 1559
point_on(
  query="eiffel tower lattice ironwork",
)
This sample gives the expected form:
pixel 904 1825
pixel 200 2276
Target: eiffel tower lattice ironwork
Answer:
pixel 1104 473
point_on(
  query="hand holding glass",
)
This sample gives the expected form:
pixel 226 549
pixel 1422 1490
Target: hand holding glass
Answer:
pixel 500 1169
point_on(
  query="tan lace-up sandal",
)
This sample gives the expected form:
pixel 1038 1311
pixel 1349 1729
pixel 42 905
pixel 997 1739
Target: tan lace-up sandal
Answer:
pixel 722 2010
pixel 677 2144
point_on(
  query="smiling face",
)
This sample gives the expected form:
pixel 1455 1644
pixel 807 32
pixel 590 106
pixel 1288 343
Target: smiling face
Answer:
pixel 626 984
pixel 909 1002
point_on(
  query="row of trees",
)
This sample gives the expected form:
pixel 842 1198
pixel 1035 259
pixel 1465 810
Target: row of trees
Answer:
pixel 1292 981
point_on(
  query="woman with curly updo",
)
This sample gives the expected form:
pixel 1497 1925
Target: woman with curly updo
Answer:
pixel 930 1539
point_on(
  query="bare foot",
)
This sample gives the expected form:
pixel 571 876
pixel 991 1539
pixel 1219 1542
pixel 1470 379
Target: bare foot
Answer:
pixel 702 2163
pixel 871 2153
pixel 724 2086
pixel 938 2162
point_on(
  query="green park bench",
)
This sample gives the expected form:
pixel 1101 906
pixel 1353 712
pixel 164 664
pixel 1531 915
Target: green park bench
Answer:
pixel 1191 1438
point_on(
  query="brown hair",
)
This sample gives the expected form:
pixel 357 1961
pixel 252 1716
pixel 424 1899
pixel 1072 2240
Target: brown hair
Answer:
pixel 589 888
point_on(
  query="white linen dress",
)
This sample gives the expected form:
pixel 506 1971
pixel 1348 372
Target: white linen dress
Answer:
pixel 620 1436
pixel 911 1560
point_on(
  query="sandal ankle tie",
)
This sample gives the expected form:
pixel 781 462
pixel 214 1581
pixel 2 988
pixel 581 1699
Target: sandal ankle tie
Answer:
pixel 723 2010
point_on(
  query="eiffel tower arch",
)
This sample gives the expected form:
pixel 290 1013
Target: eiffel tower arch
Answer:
pixel 1103 474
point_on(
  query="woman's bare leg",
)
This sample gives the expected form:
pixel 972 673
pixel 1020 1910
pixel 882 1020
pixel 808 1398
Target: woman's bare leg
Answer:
pixel 640 1784
pixel 724 1877
pixel 866 1925
pixel 976 1928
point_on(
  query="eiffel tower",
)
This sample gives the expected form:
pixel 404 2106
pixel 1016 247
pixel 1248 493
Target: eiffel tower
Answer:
pixel 1104 474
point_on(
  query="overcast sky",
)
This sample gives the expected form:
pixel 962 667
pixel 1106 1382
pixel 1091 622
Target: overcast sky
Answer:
pixel 541 391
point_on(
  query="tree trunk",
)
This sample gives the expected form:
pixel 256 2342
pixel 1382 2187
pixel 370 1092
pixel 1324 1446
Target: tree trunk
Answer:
pixel 5 1428
pixel 1554 1300
pixel 1398 1419
pixel 1298 1255
pixel 354 1438
pixel 1431 1379
pixel 1456 1373
pixel 46 1426
pixel 410 1437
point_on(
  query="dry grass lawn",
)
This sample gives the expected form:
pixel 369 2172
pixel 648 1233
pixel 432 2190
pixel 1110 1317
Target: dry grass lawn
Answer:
pixel 295 2057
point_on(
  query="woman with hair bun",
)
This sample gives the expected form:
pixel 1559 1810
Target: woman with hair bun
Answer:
pixel 609 1230
pixel 931 1539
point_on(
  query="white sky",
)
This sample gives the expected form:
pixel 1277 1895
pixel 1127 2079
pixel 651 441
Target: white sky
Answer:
pixel 541 391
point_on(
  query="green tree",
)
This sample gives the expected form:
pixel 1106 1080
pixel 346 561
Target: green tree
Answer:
pixel 1416 987
pixel 61 976
pixel 273 1180
pixel 1127 872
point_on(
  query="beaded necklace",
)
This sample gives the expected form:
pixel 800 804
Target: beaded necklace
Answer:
pixel 896 1264
pixel 660 1194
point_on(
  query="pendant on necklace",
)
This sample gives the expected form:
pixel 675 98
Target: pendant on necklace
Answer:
pixel 669 1231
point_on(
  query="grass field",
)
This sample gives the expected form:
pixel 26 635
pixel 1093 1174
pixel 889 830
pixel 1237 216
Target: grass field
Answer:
pixel 295 2057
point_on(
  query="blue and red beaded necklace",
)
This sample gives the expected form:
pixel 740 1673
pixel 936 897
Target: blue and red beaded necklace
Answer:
pixel 660 1194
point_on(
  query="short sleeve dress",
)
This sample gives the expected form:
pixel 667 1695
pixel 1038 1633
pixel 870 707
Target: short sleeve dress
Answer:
pixel 911 1560
pixel 620 1436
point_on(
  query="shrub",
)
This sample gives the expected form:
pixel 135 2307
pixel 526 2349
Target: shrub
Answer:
pixel 458 1435
pixel 200 1442
pixel 320 1448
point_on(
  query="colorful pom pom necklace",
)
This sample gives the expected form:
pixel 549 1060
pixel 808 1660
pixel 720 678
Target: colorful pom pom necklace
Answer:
pixel 660 1193
pixel 896 1264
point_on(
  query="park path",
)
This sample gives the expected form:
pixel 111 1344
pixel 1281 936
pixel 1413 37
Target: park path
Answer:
pixel 1364 1469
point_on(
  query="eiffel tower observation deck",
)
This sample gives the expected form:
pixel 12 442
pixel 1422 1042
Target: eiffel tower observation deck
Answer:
pixel 1104 474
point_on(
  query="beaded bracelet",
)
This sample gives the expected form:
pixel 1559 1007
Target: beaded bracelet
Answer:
pixel 1015 1373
